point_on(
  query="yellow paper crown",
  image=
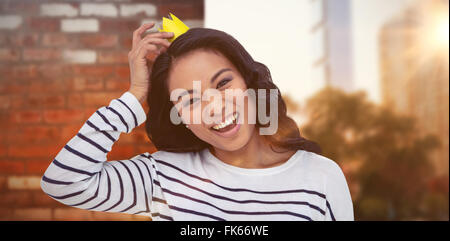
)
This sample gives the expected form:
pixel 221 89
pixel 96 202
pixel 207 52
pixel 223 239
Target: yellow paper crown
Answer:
pixel 173 25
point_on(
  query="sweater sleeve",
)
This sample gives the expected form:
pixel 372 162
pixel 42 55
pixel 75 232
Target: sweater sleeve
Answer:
pixel 339 205
pixel 80 175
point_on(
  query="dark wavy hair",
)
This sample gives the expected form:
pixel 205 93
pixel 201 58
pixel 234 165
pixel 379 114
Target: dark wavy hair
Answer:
pixel 177 138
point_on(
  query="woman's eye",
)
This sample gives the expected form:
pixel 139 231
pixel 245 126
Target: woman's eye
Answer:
pixel 223 82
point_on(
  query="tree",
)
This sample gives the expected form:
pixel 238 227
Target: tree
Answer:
pixel 381 153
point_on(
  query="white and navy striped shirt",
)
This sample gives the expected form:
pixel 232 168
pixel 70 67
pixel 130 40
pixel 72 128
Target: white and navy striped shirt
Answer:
pixel 188 186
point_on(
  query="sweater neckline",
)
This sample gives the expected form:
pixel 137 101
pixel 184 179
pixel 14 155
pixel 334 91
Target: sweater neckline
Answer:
pixel 252 171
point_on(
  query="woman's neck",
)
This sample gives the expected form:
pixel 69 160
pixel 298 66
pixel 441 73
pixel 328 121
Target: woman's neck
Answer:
pixel 257 153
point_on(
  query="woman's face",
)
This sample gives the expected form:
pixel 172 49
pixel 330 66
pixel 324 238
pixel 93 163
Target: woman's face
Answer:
pixel 227 129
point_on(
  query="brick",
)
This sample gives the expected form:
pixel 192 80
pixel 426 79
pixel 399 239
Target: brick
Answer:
pixel 34 151
pixel 41 54
pixel 43 24
pixel 40 199
pixel 141 218
pixel 52 73
pixel 26 39
pixel 15 198
pixel 25 71
pixel 142 136
pixel 24 182
pixel 10 21
pixel 99 41
pixel 72 214
pixel 89 111
pixel 79 25
pixel 3 150
pixel 104 216
pixel 93 71
pixel 56 40
pixel 143 9
pixel 18 101
pixel 158 23
pixel 52 101
pixel 9 55
pixel 191 23
pixel 26 116
pixel 137 136
pixel 126 42
pixel 80 83
pixel 109 57
pixel 33 214
pixel 5 102
pixel 36 167
pixel 80 56
pixel 122 25
pixel 150 148
pixel 34 134
pixel 194 23
pixel 43 101
pixel 75 100
pixel 99 99
pixel 8 167
pixel 117 84
pixel 191 10
pixel 3 183
pixel 69 131
pixel 127 138
pixel 122 151
pixel 5 214
pixel 123 72
pixel 63 116
pixel 59 9
pixel 19 7
pixel 99 9
pixel 3 137
pixel 13 85
pixel 51 82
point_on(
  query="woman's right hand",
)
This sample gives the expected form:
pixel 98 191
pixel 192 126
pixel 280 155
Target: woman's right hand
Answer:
pixel 141 56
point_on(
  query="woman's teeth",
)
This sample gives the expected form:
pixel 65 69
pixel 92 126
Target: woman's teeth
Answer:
pixel 230 120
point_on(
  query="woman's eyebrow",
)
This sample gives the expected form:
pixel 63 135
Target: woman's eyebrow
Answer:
pixel 218 73
pixel 212 80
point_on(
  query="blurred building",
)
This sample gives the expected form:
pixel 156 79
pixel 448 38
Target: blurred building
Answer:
pixel 414 62
pixel 306 44
pixel 332 40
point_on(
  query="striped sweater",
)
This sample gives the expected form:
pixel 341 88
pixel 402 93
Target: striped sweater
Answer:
pixel 188 186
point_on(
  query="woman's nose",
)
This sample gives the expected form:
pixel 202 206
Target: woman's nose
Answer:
pixel 216 107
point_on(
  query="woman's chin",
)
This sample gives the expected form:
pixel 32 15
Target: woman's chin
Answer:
pixel 229 148
pixel 232 144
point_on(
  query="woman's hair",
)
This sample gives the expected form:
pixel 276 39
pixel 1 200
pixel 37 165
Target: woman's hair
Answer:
pixel 167 136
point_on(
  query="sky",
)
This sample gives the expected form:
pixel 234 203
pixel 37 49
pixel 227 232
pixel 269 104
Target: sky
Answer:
pixel 278 34
pixel 274 34
pixel 368 17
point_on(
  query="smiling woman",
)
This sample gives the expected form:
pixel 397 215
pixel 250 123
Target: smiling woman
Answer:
pixel 223 170
pixel 221 63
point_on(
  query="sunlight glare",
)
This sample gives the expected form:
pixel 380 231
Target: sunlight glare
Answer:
pixel 442 32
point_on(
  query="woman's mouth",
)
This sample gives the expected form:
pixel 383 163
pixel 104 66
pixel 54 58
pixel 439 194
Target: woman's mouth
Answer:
pixel 227 128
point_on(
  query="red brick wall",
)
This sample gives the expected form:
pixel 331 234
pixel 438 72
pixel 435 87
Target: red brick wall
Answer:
pixel 59 62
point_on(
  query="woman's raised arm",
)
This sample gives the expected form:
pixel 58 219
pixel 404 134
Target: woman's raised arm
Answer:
pixel 144 51
pixel 80 175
